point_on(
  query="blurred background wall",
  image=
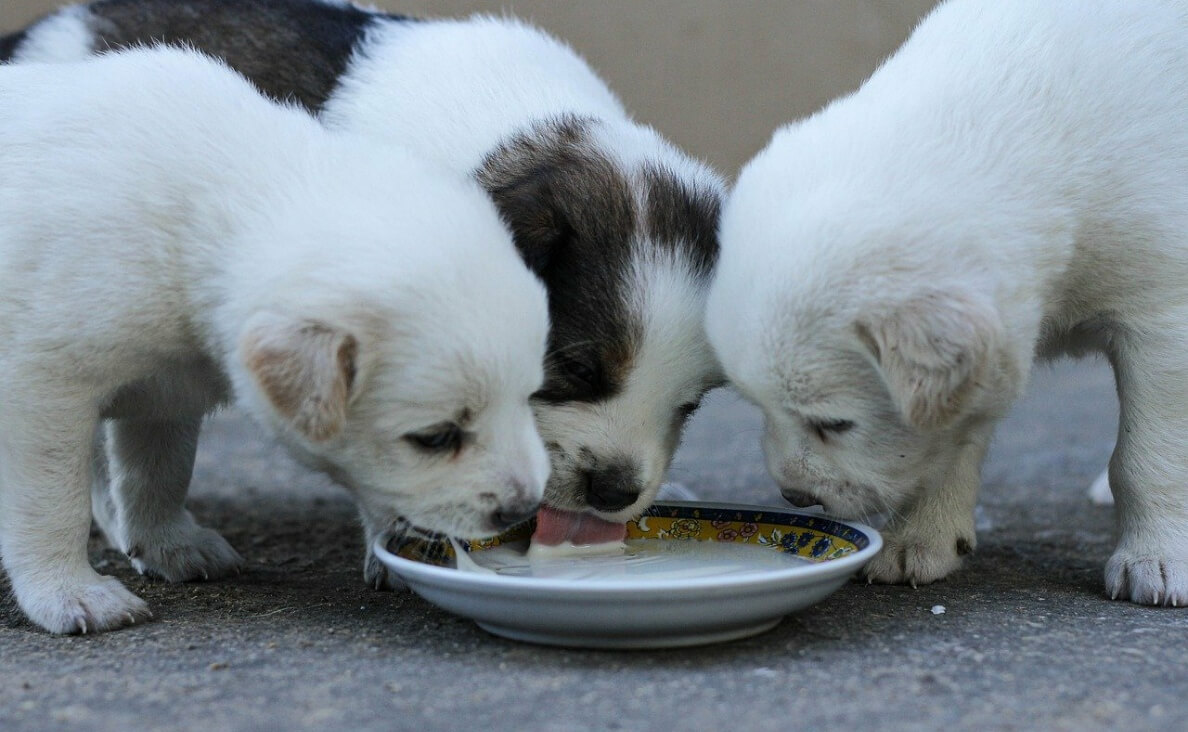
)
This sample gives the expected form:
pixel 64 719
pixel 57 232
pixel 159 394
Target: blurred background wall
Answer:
pixel 715 76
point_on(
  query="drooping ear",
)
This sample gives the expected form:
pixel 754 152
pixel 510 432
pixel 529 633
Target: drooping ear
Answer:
pixel 935 351
pixel 305 368
pixel 539 227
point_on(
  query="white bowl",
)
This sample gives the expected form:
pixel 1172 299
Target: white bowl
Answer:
pixel 650 611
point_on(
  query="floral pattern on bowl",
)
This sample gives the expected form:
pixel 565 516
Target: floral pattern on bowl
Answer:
pixel 812 537
pixel 816 538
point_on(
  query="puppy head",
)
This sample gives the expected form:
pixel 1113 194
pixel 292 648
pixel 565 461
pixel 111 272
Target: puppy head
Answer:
pixel 861 411
pixel 621 229
pixel 870 348
pixel 401 358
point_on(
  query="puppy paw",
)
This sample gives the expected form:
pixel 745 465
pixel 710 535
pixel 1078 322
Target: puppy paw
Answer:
pixel 917 560
pixel 1100 493
pixel 1148 578
pixel 92 605
pixel 183 551
pixel 377 576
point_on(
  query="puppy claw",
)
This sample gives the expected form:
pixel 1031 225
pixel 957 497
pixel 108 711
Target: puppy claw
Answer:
pixel 184 551
pixel 377 576
pixel 85 604
pixel 915 562
pixel 1147 578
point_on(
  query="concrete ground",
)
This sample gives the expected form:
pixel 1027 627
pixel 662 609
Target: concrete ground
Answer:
pixel 1028 639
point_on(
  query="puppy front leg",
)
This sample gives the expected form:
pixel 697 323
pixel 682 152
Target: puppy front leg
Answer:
pixel 45 520
pixel 1149 478
pixel 929 540
pixel 150 462
pixel 375 573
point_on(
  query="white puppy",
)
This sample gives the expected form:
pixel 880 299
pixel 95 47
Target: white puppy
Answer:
pixel 619 224
pixel 168 239
pixel 1012 182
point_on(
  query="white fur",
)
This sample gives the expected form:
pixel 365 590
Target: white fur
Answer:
pixel 638 421
pixel 454 90
pixel 1099 492
pixel 168 240
pixel 1013 181
pixel 62 37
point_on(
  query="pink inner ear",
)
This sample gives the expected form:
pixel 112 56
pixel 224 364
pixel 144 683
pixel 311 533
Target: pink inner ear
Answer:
pixel 306 369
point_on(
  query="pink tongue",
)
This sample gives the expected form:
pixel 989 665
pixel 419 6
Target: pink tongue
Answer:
pixel 554 526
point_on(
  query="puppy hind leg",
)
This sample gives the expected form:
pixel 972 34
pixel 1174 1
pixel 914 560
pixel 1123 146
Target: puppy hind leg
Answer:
pixel 103 509
pixel 150 463
pixel 930 539
pixel 1149 478
pixel 45 520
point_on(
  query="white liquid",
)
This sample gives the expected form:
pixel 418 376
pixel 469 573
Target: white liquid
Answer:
pixel 646 559
pixel 463 562
pixel 568 550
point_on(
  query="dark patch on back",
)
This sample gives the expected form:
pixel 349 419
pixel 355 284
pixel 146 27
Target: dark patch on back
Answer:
pixel 575 221
pixel 293 50
pixel 682 217
pixel 8 45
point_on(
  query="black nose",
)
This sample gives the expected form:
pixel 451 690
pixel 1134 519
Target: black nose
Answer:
pixel 800 499
pixel 510 514
pixel 611 488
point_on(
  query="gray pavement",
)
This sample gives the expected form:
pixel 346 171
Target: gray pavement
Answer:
pixel 1028 640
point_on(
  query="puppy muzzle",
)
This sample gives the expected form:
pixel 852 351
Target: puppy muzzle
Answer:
pixel 612 488
pixel 510 514
pixel 800 499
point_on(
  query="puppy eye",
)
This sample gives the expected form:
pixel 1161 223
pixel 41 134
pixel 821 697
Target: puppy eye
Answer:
pixel 582 373
pixel 442 438
pixel 826 428
pixel 570 379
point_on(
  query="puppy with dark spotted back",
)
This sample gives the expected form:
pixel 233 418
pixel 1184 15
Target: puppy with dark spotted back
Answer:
pixel 619 224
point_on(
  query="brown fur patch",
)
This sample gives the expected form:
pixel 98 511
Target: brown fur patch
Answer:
pixel 679 216
pixel 575 221
pixel 292 51
pixel 307 371
pixel 8 45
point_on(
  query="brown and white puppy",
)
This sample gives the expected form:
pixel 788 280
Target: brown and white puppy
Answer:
pixel 619 224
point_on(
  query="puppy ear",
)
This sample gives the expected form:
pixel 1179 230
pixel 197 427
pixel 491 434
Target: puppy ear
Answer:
pixel 935 351
pixel 539 228
pixel 305 368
